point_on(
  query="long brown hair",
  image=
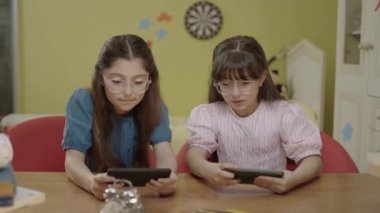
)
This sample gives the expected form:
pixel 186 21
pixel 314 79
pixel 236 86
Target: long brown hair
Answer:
pixel 241 57
pixel 146 114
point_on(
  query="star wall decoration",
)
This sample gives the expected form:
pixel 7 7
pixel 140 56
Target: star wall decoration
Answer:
pixel 164 17
pixel 145 24
pixel 347 132
pixel 156 26
pixel 161 34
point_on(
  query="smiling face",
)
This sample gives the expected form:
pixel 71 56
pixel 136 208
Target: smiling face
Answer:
pixel 121 81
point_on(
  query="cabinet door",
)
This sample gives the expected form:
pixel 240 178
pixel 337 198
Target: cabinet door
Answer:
pixel 371 139
pixel 371 46
pixel 350 79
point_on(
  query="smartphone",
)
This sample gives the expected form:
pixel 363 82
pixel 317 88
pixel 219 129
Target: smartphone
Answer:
pixel 247 176
pixel 139 176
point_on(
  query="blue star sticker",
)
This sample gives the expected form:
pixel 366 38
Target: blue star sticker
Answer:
pixel 145 24
pixel 347 132
pixel 161 34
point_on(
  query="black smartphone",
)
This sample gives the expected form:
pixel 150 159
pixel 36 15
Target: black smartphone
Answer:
pixel 247 176
pixel 139 176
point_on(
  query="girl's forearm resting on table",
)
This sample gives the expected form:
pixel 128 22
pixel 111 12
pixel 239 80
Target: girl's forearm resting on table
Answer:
pixel 309 168
pixel 77 171
pixel 196 161
pixel 165 157
pixel 167 162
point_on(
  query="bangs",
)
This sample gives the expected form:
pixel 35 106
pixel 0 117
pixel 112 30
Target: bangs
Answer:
pixel 236 65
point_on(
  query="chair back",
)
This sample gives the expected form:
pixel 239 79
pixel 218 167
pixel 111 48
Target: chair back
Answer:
pixel 335 158
pixel 37 144
pixel 181 159
pixel 151 158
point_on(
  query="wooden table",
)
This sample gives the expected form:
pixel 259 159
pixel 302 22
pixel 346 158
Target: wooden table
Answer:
pixel 329 193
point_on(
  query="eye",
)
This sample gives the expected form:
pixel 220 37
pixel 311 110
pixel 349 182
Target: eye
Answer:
pixel 116 81
pixel 225 84
pixel 246 82
pixel 139 82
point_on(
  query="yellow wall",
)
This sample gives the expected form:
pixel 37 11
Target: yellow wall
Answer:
pixel 59 42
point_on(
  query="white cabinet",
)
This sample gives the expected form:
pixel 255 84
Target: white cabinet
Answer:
pixel 357 80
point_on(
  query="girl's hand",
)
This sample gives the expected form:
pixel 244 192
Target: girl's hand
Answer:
pixel 99 183
pixel 217 176
pixel 277 185
pixel 164 186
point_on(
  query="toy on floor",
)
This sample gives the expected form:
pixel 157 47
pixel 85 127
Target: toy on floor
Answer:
pixel 7 178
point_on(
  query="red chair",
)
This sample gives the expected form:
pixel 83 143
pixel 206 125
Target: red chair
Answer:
pixel 152 158
pixel 181 159
pixel 37 144
pixel 335 158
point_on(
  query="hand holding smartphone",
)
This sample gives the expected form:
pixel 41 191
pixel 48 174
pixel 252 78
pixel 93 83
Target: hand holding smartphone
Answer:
pixel 139 176
pixel 247 176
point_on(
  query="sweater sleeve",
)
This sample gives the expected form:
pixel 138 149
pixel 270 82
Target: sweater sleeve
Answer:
pixel 300 137
pixel 203 132
pixel 162 131
pixel 78 126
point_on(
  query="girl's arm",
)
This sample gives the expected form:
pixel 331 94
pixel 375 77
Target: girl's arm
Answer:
pixel 309 168
pixel 214 173
pixel 165 156
pixel 196 159
pixel 79 173
pixel 164 159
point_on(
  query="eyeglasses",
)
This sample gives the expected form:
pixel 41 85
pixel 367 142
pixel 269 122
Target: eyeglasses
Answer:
pixel 227 87
pixel 116 85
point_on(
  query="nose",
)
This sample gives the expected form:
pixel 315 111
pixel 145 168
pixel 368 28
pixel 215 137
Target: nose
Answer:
pixel 235 91
pixel 127 89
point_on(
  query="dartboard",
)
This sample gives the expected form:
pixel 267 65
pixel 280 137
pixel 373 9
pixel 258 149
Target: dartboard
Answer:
pixel 203 20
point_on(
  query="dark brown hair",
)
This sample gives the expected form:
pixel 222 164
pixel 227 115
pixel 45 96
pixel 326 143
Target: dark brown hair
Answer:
pixel 241 57
pixel 146 114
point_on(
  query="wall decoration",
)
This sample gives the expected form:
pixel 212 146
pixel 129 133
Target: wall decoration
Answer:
pixel 161 34
pixel 149 43
pixel 203 20
pixel 155 27
pixel 145 24
pixel 347 132
pixel 164 17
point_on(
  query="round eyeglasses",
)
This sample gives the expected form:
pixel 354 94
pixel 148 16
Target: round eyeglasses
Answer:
pixel 227 87
pixel 116 85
